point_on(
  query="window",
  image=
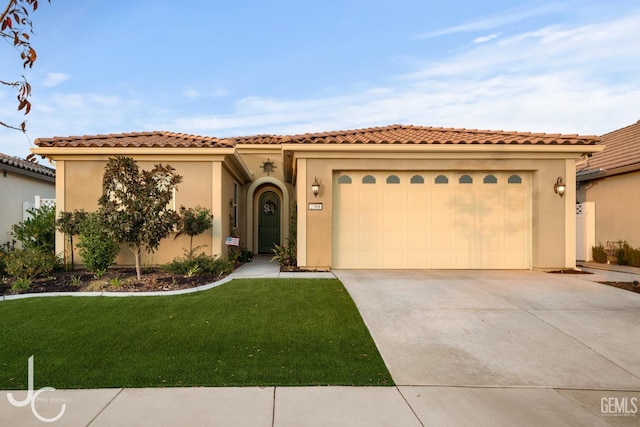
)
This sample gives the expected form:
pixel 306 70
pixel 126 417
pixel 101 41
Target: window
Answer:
pixel 465 179
pixel 514 179
pixel 393 179
pixel 417 179
pixel 344 179
pixel 441 179
pixel 368 179
pixel 234 205
pixel 490 179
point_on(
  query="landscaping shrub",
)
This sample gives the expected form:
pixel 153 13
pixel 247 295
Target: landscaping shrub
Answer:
pixel 27 264
pixel 199 265
pixel 286 255
pixel 240 254
pixel 39 231
pixel 599 254
pixel 97 248
pixel 3 265
pixel 627 255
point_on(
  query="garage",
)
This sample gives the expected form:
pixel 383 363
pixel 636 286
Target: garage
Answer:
pixel 431 220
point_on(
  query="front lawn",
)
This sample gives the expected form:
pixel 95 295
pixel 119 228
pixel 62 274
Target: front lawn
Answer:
pixel 251 332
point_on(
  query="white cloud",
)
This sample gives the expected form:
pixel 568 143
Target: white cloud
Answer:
pixel 191 92
pixel 54 79
pixel 495 21
pixel 485 39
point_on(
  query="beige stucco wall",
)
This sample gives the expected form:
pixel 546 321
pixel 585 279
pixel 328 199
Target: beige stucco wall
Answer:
pixel 617 200
pixel 553 218
pixel 16 188
pixel 206 182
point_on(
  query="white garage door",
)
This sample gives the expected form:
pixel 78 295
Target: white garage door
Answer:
pixel 436 220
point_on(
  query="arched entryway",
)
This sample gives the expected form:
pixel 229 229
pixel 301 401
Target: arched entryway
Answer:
pixel 269 212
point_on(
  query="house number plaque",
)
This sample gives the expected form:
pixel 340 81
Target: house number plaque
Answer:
pixel 315 206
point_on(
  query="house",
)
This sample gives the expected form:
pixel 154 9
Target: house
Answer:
pixel 20 182
pixel 611 179
pixel 387 197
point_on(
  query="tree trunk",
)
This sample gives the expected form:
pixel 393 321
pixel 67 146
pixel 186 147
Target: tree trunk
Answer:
pixel 138 254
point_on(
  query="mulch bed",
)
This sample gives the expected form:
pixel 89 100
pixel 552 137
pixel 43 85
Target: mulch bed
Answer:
pixel 629 286
pixel 114 280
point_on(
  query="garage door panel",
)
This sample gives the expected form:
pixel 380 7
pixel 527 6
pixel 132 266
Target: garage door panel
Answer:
pixel 432 223
pixel 441 199
pixel 515 238
pixel 368 219
pixel 393 218
pixel 441 219
pixel 392 198
pixel 464 218
pixel 417 199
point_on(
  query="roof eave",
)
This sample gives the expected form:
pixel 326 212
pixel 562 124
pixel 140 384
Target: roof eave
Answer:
pixel 25 172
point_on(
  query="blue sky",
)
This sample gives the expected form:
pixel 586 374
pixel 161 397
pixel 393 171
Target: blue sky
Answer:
pixel 223 68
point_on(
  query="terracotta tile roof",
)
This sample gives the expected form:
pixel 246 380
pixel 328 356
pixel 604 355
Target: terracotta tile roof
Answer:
pixel 621 154
pixel 402 134
pixel 135 139
pixel 26 165
pixel 395 134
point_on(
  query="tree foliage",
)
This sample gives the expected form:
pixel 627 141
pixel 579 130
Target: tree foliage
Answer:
pixel 135 206
pixel 39 231
pixel 16 28
pixel 192 222
pixel 69 224
pixel 97 247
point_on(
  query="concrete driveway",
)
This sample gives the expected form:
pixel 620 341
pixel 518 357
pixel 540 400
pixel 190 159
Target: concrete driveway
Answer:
pixel 506 338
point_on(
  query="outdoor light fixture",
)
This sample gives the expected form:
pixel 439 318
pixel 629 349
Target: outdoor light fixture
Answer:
pixel 560 187
pixel 315 187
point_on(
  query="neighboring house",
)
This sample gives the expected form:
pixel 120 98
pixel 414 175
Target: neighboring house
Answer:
pixel 21 181
pixel 389 197
pixel 611 179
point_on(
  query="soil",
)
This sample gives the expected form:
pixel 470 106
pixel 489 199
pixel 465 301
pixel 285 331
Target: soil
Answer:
pixel 114 280
pixel 569 271
pixel 629 286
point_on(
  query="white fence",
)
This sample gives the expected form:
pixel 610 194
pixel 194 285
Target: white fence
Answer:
pixel 585 230
pixel 39 202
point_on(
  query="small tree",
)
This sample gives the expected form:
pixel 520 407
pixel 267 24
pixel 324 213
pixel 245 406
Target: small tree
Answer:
pixel 135 206
pixel 69 224
pixel 39 231
pixel 192 222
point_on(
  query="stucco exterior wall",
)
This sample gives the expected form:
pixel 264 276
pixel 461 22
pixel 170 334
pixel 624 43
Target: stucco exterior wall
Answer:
pixel 617 200
pixel 201 186
pixel 14 189
pixel 553 217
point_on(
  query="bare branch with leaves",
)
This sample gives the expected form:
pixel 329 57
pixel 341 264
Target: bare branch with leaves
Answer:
pixel 16 28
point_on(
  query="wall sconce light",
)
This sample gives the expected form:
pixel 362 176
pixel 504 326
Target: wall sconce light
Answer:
pixel 560 187
pixel 315 187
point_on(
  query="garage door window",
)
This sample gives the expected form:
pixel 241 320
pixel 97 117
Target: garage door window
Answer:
pixel 393 179
pixel 344 179
pixel 490 179
pixel 441 179
pixel 515 179
pixel 368 179
pixel 465 179
pixel 417 179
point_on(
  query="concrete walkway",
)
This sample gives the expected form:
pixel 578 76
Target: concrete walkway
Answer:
pixel 472 348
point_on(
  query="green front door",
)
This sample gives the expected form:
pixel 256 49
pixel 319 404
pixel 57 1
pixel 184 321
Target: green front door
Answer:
pixel 268 222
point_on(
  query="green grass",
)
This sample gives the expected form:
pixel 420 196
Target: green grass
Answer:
pixel 248 332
